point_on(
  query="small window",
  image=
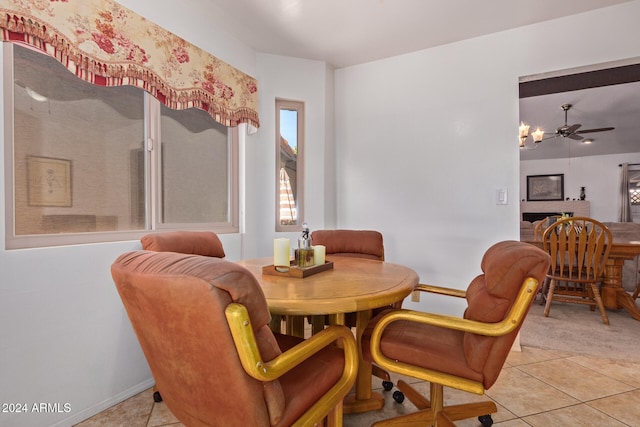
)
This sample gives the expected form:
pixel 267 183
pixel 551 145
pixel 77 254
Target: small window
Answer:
pixel 289 165
pixel 89 163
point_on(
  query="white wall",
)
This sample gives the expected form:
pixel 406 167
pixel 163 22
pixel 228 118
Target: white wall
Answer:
pixel 424 140
pixel 599 174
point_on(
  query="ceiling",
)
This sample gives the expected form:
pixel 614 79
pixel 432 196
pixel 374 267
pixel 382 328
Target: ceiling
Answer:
pixel 351 32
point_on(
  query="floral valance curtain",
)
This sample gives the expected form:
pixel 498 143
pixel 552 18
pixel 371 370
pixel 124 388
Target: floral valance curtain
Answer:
pixel 107 44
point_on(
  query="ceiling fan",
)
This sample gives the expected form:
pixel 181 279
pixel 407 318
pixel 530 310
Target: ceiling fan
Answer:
pixel 572 131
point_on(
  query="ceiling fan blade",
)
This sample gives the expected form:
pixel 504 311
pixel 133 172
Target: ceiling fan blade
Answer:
pixel 572 128
pixel 595 130
pixel 575 136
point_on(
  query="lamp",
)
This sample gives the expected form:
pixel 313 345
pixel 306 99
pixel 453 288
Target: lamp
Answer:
pixel 537 135
pixel 523 132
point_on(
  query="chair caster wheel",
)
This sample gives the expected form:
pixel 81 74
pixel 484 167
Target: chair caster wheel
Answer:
pixel 485 420
pixel 388 385
pixel 398 396
pixel 157 397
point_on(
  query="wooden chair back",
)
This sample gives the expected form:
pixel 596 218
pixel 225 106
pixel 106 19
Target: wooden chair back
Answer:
pixel 579 248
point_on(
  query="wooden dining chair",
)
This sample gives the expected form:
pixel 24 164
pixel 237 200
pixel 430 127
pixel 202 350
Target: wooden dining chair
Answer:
pixel 465 353
pixel 542 225
pixel 579 248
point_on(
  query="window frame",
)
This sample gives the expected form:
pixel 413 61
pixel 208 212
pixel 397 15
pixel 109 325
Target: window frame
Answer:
pixel 152 178
pixel 299 107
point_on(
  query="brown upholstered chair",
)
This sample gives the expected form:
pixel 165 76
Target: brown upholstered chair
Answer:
pixel 367 244
pixel 356 243
pixel 579 249
pixel 202 325
pixel 464 353
pixel 204 243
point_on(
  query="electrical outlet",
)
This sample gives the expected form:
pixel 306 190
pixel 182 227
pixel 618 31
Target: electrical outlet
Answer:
pixel 415 296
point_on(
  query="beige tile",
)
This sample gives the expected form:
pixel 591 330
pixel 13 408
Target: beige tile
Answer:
pixel 574 379
pixel 133 412
pixel 533 355
pixel 623 407
pixel 517 422
pixel 391 409
pixel 162 416
pixel 542 387
pixel 624 371
pixel 577 415
pixel 522 394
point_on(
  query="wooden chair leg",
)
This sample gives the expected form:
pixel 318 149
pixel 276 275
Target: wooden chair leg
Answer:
pixel 414 397
pixel 432 412
pixel 636 292
pixel 598 298
pixel 547 307
pixel 544 288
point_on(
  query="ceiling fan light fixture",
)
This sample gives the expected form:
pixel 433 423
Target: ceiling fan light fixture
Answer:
pixel 537 135
pixel 523 133
pixel 587 141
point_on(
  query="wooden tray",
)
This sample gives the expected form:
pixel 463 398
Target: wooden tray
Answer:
pixel 298 272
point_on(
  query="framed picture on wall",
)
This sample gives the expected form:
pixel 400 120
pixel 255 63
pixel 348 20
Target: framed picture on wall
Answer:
pixel 49 182
pixel 545 187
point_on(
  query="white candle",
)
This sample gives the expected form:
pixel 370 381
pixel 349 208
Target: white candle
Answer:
pixel 281 254
pixel 318 254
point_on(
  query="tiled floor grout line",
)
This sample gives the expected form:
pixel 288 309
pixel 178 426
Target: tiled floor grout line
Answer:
pixel 518 363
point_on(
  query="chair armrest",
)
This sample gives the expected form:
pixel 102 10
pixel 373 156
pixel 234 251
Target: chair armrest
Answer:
pixel 242 332
pixel 459 293
pixel 508 324
pixel 511 321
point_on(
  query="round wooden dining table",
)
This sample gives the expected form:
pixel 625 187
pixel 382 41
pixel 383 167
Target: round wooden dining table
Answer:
pixel 352 285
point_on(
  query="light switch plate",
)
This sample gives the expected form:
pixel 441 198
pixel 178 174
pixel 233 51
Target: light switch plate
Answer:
pixel 501 196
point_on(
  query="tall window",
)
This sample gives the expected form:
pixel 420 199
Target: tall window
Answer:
pixel 634 185
pixel 89 163
pixel 289 165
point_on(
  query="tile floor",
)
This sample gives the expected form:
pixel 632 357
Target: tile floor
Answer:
pixel 536 388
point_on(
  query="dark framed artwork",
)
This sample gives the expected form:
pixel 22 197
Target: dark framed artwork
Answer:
pixel 49 181
pixel 545 187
